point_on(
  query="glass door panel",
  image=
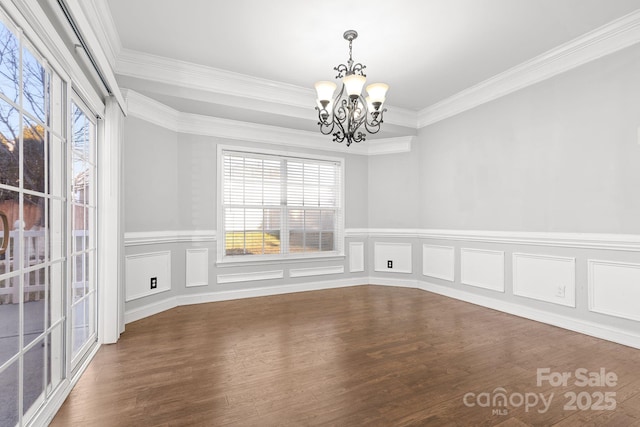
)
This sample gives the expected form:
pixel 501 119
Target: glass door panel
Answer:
pixel 83 212
pixel 33 218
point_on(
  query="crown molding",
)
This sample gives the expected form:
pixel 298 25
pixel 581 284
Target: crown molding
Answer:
pixel 159 114
pixel 194 76
pixel 150 110
pixel 401 144
pixel 609 38
pixel 265 95
pixel 281 97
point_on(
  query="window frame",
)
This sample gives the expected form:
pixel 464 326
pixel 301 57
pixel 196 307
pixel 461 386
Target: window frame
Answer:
pixel 338 251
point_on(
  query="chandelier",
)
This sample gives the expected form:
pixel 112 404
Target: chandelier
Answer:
pixel 344 114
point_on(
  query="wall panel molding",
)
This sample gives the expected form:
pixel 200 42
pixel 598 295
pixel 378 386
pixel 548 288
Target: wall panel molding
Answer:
pixel 197 267
pixel 250 276
pixel 482 268
pixel 398 253
pixel 614 288
pixel 140 268
pixel 438 262
pixel 356 257
pixel 535 276
pixel 316 271
pixel 545 278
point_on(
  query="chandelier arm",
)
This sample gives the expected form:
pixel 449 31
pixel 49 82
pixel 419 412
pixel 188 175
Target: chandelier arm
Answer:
pixel 375 124
pixel 340 134
pixel 358 69
pixel 326 127
pixel 342 70
pixel 360 112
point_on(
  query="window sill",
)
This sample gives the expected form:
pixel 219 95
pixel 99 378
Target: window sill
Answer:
pixel 258 260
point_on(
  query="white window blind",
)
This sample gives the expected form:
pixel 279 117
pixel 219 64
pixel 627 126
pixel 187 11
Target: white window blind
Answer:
pixel 280 206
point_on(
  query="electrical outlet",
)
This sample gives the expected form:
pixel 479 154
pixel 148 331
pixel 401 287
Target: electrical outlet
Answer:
pixel 154 282
pixel 389 264
pixel 560 291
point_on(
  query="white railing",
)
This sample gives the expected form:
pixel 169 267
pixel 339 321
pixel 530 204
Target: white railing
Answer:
pixel 32 250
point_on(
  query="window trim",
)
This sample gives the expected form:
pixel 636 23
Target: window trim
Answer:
pixel 245 259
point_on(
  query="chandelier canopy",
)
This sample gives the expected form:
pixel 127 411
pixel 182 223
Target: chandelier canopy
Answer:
pixel 344 114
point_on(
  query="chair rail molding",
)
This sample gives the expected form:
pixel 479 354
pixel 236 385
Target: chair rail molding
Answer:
pixel 605 241
pixel 138 238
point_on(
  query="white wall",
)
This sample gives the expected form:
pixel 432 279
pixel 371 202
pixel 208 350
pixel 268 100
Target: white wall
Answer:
pixel 542 180
pixel 561 155
pixel 150 177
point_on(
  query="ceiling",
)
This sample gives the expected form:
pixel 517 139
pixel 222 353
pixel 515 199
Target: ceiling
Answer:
pixel 426 50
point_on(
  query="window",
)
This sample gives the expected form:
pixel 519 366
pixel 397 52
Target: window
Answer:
pixel 276 206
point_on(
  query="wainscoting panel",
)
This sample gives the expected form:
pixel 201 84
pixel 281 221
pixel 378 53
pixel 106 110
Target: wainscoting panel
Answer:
pixel 141 269
pixel 356 257
pixel 438 262
pixel 250 277
pixel 197 266
pixel 316 271
pixel 545 278
pixel 614 288
pixel 392 257
pixel 482 268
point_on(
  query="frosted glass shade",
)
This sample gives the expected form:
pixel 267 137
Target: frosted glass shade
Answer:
pixel 353 83
pixel 325 90
pixel 377 92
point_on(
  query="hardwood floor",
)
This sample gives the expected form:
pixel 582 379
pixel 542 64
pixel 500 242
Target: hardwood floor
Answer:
pixel 365 355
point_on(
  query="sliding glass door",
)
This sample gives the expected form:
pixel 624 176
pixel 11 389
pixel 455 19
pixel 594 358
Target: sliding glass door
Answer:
pixel 47 228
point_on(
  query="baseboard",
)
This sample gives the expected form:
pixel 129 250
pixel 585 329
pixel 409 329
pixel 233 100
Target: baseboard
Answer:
pixel 608 333
pixel 150 309
pixel 397 283
pixel 266 291
pixel 200 298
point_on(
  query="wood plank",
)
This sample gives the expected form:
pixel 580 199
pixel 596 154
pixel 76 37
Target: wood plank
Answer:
pixel 366 355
